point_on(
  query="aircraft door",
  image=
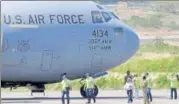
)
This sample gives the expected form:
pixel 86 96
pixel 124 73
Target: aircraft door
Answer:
pixel 96 60
pixel 46 63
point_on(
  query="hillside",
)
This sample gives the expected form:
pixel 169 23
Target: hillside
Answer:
pixel 156 18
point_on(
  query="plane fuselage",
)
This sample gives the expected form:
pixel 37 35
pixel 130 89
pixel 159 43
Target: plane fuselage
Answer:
pixel 42 40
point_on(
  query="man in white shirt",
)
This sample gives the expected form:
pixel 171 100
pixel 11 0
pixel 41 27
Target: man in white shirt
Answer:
pixel 129 87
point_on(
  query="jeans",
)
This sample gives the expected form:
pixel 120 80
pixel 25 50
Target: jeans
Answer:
pixel 129 93
pixel 90 95
pixel 136 93
pixel 67 93
pixel 149 94
pixel 173 91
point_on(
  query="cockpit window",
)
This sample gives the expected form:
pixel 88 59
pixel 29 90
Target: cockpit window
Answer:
pixel 106 16
pixel 115 16
pixel 96 17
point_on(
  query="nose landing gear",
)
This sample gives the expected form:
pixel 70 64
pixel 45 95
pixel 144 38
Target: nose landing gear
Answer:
pixel 83 92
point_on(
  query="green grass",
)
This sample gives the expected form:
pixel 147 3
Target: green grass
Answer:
pixel 170 64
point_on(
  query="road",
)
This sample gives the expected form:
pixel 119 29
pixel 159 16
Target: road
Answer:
pixel 148 39
pixel 104 97
pixel 167 37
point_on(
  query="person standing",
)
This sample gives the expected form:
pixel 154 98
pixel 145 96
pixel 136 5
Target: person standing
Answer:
pixel 66 87
pixel 136 82
pixel 129 88
pixel 173 86
pixel 149 92
pixel 144 87
pixel 90 86
pixel 128 75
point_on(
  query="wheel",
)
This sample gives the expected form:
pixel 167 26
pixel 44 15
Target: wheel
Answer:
pixel 83 92
pixel 96 90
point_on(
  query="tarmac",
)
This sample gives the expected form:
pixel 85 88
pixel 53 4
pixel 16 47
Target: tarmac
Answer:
pixel 104 97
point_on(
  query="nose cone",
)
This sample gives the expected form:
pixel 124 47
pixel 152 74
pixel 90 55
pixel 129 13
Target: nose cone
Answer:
pixel 131 42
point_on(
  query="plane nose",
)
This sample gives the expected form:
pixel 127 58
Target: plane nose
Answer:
pixel 131 42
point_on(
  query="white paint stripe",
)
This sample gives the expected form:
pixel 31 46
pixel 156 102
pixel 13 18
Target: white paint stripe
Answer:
pixel 23 26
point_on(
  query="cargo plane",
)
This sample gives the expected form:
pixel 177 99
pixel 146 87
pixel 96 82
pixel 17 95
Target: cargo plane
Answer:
pixel 41 40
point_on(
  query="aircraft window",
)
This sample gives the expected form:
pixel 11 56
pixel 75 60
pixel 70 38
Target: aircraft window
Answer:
pixel 96 17
pixel 115 16
pixel 118 31
pixel 106 16
pixel 99 7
